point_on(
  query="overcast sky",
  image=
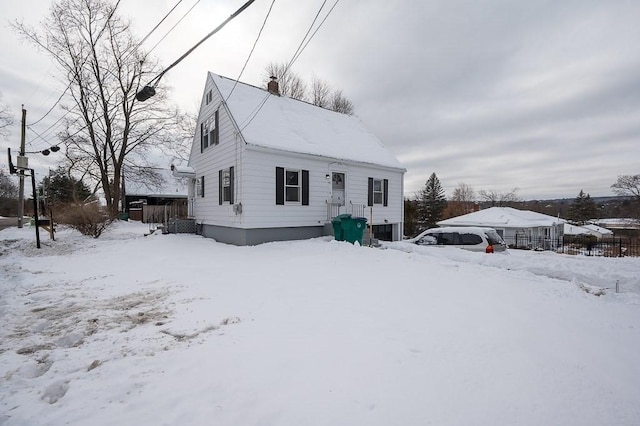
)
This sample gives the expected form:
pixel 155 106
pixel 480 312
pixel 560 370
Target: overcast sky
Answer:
pixel 543 96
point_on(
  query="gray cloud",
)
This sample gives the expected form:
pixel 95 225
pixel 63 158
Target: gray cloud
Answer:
pixel 497 94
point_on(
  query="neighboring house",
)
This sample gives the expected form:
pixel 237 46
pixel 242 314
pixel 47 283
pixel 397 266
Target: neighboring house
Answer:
pixel 265 167
pixel 621 226
pixel 155 200
pixel 587 230
pixel 519 228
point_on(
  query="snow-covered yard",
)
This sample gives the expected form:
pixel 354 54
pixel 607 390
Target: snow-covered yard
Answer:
pixel 181 330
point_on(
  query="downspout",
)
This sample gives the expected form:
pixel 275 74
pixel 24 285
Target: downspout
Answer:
pixel 400 237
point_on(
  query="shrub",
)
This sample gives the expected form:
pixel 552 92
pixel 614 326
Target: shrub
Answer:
pixel 89 219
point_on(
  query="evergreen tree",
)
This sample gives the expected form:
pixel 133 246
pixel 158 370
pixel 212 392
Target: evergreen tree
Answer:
pixel 582 209
pixel 410 217
pixel 431 202
pixel 64 188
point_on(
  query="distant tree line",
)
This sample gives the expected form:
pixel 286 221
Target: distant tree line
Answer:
pixel 430 205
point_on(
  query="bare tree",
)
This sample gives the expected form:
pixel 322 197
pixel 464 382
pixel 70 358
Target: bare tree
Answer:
pixel 339 103
pixel 293 86
pixel 464 194
pixel 8 195
pixel 498 199
pixel 5 119
pixel 179 147
pixel 105 127
pixel 320 92
pixel 628 186
pixel 462 201
pixel 289 82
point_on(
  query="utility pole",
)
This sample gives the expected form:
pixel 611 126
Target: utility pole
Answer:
pixel 21 187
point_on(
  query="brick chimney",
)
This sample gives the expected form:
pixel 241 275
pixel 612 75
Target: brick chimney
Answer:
pixel 272 86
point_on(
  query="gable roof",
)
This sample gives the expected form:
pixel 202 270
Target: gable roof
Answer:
pixel 503 217
pixel 291 125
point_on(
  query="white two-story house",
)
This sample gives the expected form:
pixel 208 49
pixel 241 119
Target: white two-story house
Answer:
pixel 265 167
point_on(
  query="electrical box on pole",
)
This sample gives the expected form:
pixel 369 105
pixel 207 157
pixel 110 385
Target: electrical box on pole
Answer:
pixel 23 163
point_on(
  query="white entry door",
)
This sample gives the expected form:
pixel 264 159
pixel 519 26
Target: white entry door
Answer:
pixel 338 188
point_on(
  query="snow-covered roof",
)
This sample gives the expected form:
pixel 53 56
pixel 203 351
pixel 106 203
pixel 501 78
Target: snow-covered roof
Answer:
pixel 183 171
pixel 503 217
pixel 291 125
pixel 619 223
pixel 598 229
pixel 168 186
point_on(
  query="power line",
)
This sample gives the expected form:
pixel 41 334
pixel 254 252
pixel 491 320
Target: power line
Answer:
pixel 137 46
pixel 113 11
pixel 54 105
pixel 174 26
pixel 305 36
pixel 149 90
pixel 314 33
pixel 251 52
pixel 159 23
pixel 296 55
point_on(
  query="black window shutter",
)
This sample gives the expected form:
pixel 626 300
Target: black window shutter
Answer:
pixel 216 136
pixel 305 187
pixel 220 187
pixel 280 186
pixel 202 186
pixel 385 194
pixel 201 137
pixel 231 178
pixel 370 193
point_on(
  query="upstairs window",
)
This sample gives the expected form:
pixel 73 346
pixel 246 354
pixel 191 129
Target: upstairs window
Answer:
pixel 209 132
pixel 209 97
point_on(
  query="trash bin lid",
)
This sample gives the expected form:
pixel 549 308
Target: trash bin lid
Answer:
pixel 340 218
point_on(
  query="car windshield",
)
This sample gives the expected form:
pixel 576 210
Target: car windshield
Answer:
pixel 493 237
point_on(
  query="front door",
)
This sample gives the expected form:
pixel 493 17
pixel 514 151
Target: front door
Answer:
pixel 338 188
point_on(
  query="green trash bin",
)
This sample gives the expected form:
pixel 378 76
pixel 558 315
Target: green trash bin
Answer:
pixel 354 228
pixel 338 227
pixel 123 216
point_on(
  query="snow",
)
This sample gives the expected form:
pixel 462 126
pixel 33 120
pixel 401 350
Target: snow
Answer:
pixel 291 125
pixel 168 185
pixel 180 329
pixel 588 229
pixel 502 217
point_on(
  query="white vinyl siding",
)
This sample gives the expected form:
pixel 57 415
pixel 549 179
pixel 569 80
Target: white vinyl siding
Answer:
pixel 261 211
pixel 255 186
pixel 208 163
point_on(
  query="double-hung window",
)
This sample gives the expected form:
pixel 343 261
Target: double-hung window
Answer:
pixel 225 186
pixel 292 186
pixel 378 192
pixel 209 132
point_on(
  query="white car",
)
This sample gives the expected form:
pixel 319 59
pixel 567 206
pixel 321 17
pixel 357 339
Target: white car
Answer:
pixel 471 238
